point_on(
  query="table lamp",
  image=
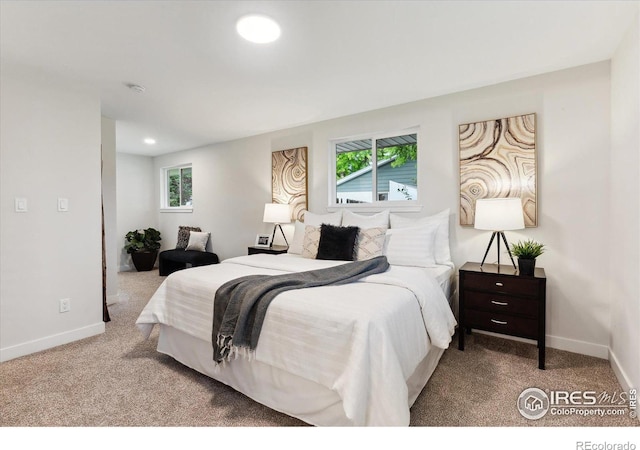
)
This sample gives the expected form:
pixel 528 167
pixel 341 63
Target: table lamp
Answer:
pixel 498 215
pixel 277 213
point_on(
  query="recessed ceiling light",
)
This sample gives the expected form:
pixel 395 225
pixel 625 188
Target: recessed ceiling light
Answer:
pixel 258 29
pixel 149 141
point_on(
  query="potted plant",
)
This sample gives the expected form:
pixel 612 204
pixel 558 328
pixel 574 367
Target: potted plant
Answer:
pixel 143 246
pixel 527 252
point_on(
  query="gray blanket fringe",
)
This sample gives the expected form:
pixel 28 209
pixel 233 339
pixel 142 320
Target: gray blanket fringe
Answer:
pixel 240 305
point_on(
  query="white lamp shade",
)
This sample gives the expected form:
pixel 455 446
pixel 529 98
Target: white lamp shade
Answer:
pixel 277 213
pixel 499 214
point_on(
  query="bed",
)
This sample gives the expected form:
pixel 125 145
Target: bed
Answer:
pixel 352 355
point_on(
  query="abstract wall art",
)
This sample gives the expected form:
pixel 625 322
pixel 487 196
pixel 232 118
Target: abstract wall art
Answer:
pixel 289 179
pixel 497 160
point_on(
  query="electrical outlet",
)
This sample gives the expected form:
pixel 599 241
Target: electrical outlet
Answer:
pixel 65 305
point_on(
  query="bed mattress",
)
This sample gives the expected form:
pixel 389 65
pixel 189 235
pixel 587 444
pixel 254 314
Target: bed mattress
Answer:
pixel 363 351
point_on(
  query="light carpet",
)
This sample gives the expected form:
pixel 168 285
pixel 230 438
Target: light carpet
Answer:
pixel 118 379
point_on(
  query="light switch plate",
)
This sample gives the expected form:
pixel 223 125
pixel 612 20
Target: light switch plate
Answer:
pixel 63 204
pixel 21 205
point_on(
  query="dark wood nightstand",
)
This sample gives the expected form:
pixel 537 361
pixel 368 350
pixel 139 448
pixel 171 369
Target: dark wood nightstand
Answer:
pixel 498 299
pixel 275 250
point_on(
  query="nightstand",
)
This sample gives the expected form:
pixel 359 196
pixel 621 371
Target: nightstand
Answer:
pixel 497 299
pixel 275 250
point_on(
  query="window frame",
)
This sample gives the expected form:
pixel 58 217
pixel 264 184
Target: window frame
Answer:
pixel 376 205
pixel 164 189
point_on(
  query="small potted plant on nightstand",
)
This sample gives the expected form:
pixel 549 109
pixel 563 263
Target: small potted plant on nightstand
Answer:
pixel 143 246
pixel 527 252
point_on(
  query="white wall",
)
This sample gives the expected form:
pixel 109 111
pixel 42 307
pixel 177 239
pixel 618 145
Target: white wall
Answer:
pixel 136 205
pixel 49 148
pixel 232 181
pixel 625 209
pixel 112 247
pixel 230 188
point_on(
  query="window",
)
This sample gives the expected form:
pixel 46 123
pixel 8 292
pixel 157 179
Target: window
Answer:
pixel 177 188
pixel 364 176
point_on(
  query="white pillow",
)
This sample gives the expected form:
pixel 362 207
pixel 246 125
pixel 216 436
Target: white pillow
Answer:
pixel 412 246
pixel 298 238
pixel 379 220
pixel 198 241
pixel 311 242
pixel 318 219
pixel 442 252
pixel 370 243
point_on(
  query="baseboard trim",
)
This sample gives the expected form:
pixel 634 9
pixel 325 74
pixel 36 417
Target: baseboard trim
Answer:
pixel 504 336
pixel 560 343
pixel 131 268
pixel 621 375
pixel 122 297
pixel 581 347
pixel 48 342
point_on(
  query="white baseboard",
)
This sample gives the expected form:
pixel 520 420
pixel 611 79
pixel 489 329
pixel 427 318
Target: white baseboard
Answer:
pixel 45 343
pixel 504 336
pixel 131 268
pixel 581 347
pixel 120 297
pixel 560 343
pixel 621 375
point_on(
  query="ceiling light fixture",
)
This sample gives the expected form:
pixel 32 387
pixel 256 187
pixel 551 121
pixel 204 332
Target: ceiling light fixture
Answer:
pixel 149 141
pixel 257 28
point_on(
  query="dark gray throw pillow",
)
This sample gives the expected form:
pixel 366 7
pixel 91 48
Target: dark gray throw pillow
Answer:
pixel 337 243
pixel 183 236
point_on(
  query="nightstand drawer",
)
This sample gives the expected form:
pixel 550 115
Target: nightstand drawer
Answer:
pixel 501 303
pixel 502 323
pixel 501 284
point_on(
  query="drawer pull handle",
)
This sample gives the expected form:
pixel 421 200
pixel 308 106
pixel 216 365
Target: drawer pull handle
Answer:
pixel 499 322
pixel 499 284
pixel 500 303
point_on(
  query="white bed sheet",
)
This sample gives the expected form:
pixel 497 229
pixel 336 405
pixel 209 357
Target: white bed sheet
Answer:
pixel 275 388
pixel 362 341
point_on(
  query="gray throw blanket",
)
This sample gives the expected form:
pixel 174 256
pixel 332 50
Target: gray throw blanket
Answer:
pixel 240 305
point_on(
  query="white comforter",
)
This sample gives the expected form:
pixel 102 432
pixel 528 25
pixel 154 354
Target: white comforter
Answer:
pixel 362 340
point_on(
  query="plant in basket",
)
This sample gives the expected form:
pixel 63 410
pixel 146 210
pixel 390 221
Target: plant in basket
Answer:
pixel 143 246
